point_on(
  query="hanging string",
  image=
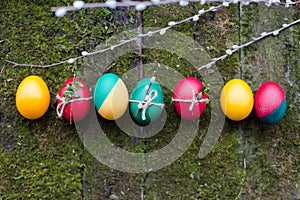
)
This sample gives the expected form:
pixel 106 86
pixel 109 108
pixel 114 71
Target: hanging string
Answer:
pixel 64 101
pixel 143 105
pixel 171 24
pixel 195 99
pixel 142 5
pixel 122 42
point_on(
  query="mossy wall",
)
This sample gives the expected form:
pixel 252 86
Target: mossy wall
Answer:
pixel 45 158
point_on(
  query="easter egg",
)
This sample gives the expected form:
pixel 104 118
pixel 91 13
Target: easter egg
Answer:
pixel 73 100
pixel 146 102
pixel 236 99
pixel 32 97
pixel 270 103
pixel 189 98
pixel 110 96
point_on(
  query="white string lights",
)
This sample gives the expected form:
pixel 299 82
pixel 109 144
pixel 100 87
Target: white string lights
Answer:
pixel 141 5
pixel 60 11
pixel 254 39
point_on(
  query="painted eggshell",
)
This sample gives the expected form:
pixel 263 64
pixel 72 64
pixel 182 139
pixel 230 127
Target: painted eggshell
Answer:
pixel 73 89
pixel 237 99
pixel 270 103
pixel 32 97
pixel 110 96
pixel 152 112
pixel 184 90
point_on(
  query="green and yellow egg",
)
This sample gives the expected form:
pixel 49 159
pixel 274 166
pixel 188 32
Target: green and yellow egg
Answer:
pixel 110 96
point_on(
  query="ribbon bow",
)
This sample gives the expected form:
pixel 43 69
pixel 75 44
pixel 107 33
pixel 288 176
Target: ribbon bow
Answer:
pixel 195 99
pixel 64 101
pixel 143 105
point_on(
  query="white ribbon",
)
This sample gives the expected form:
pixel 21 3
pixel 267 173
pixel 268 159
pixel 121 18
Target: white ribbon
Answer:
pixel 193 101
pixel 61 106
pixel 147 103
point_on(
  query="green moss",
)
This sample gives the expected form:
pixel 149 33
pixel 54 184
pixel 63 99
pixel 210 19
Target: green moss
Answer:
pixel 270 150
pixel 42 159
pixel 215 31
pixel 45 159
pixel 219 177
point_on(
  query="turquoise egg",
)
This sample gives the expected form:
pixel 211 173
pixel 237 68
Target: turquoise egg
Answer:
pixel 145 115
pixel 110 96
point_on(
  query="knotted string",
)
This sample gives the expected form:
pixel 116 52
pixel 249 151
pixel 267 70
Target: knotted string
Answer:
pixel 143 105
pixel 193 101
pixel 61 106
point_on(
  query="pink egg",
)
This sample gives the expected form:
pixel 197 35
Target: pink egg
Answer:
pixel 270 103
pixel 188 98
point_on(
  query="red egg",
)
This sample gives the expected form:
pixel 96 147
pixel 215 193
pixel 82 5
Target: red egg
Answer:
pixel 190 98
pixel 270 103
pixel 73 100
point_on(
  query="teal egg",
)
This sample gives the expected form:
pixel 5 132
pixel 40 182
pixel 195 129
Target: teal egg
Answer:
pixel 144 116
pixel 110 96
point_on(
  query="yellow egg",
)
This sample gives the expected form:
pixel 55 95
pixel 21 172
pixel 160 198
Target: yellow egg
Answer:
pixel 32 97
pixel 110 96
pixel 236 99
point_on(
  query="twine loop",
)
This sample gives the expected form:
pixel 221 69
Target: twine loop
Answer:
pixel 64 101
pixel 193 100
pixel 143 105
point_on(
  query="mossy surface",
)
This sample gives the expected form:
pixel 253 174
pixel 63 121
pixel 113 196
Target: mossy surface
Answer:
pixel 271 151
pixel 45 158
pixel 42 159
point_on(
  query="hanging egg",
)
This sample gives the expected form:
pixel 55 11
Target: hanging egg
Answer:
pixel 190 98
pixel 236 99
pixel 146 102
pixel 74 89
pixel 110 96
pixel 32 97
pixel 270 103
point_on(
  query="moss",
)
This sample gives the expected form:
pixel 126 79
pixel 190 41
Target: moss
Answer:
pixel 269 150
pixel 45 159
pixel 189 177
pixel 219 177
pixel 215 31
pixel 42 159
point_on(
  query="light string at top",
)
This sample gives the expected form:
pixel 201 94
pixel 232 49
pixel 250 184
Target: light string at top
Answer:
pixel 142 5
pixel 123 42
pixel 172 24
pixel 254 39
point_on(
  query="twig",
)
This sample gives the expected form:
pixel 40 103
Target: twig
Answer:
pixel 163 30
pixel 2 70
pixel 236 47
pixel 44 66
pixel 123 42
pixel 143 4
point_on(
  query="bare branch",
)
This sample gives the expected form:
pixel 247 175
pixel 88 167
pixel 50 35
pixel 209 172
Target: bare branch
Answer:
pixel 151 3
pixel 236 47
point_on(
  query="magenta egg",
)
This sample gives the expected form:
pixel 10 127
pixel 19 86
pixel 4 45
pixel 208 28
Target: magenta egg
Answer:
pixel 189 98
pixel 270 103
